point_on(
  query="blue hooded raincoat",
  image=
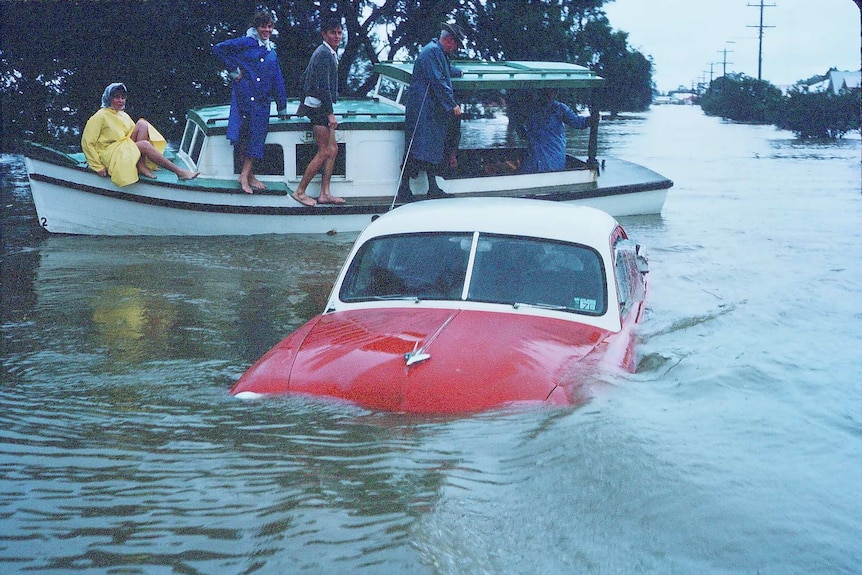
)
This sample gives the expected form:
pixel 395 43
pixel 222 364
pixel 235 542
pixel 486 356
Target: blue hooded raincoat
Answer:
pixel 260 83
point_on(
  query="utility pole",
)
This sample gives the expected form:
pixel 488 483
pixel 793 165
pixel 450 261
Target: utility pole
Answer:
pixel 760 28
pixel 724 61
pixel 711 72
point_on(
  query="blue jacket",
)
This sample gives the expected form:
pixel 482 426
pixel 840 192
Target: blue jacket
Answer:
pixel 320 79
pixel 431 84
pixel 545 131
pixel 260 83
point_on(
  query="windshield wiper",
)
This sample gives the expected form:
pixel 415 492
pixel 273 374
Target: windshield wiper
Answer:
pixel 390 297
pixel 552 307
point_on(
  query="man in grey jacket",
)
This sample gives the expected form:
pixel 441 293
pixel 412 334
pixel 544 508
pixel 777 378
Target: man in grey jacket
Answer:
pixel 319 93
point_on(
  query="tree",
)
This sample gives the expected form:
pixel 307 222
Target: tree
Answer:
pixel 627 73
pixel 820 115
pixel 743 99
pixel 52 82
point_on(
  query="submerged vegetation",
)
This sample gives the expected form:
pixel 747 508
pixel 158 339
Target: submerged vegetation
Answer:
pixel 810 115
pixel 820 115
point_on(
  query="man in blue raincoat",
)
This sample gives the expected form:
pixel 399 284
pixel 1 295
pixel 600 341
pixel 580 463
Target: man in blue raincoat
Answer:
pixel 431 111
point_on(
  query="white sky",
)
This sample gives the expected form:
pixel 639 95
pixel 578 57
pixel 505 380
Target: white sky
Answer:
pixel 685 36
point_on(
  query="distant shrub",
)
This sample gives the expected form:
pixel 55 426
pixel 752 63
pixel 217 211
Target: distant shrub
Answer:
pixel 820 115
pixel 742 99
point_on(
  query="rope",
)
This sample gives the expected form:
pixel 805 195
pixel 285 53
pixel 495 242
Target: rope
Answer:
pixel 409 146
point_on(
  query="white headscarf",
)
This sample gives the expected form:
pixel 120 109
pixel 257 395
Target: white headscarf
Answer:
pixel 106 95
pixel 268 44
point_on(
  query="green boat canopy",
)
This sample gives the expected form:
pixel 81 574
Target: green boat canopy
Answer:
pixel 504 75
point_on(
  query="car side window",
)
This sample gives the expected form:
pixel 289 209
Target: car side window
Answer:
pixel 630 285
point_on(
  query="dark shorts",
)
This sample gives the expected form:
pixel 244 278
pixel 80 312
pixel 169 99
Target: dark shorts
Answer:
pixel 318 117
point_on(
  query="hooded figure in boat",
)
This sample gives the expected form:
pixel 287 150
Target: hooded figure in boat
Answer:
pixel 107 140
pixel 542 121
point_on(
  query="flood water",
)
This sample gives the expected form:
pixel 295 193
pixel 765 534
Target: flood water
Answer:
pixel 736 447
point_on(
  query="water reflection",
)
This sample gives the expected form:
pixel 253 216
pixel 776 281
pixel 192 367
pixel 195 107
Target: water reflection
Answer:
pixel 127 321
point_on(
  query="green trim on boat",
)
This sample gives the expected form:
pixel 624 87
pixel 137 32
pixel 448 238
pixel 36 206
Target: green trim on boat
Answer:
pixel 504 75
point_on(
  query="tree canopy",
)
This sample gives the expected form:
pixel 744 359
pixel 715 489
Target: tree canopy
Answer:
pixel 742 98
pixel 57 56
pixel 812 115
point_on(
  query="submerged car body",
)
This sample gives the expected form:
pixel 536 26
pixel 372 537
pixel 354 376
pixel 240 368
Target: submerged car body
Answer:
pixel 462 305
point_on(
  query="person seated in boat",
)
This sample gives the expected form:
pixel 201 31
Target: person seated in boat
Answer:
pixel 319 93
pixel 256 81
pixel 543 126
pixel 121 148
pixel 430 109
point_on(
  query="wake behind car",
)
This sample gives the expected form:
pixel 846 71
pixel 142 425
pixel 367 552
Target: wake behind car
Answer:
pixel 462 305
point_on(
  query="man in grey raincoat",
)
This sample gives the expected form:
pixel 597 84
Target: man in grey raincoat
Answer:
pixel 431 110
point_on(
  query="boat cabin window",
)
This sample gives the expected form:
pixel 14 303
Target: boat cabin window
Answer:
pixel 505 269
pixel 389 89
pixel 188 134
pixel 305 152
pixel 196 147
pixel 272 163
pixel 193 141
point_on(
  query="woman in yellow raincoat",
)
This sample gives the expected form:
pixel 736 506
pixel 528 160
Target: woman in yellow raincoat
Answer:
pixel 117 146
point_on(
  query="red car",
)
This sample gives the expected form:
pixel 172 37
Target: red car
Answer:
pixel 461 305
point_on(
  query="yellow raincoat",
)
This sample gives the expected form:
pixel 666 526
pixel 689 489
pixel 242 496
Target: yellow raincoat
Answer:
pixel 107 144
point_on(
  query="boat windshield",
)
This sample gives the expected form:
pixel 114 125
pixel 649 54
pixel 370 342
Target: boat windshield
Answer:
pixel 503 269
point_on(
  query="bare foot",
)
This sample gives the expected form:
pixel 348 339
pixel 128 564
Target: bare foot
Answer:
pixel 256 184
pixel 243 183
pixel 329 199
pixel 187 175
pixel 146 172
pixel 303 198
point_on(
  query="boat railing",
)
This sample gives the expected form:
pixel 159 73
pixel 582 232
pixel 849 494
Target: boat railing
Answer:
pixel 349 114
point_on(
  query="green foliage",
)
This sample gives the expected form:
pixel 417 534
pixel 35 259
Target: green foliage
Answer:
pixel 808 115
pixel 742 99
pixel 628 74
pixel 820 115
pixel 57 56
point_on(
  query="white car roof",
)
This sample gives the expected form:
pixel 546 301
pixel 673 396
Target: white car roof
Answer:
pixel 522 217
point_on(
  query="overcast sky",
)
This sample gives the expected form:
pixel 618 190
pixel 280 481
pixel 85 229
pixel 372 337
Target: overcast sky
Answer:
pixel 685 36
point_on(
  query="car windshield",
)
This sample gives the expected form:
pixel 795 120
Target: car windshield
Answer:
pixel 504 269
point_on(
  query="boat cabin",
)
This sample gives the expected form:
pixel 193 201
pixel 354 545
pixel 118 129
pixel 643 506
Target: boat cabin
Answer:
pixel 370 135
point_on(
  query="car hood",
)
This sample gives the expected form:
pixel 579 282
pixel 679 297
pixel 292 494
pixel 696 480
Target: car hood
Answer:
pixel 428 360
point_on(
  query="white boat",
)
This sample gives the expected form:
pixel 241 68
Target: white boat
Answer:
pixel 70 198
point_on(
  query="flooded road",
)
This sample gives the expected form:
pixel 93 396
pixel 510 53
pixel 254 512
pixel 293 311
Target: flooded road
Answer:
pixel 735 448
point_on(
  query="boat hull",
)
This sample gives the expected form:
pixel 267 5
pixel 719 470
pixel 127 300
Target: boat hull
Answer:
pixel 75 200
pixel 434 360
